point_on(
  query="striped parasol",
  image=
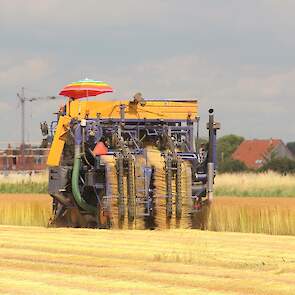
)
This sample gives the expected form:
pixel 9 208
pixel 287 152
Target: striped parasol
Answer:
pixel 85 88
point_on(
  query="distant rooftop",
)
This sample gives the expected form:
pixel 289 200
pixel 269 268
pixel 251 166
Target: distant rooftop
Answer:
pixel 253 152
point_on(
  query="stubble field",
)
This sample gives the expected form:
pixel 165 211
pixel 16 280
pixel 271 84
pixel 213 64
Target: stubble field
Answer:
pixel 36 260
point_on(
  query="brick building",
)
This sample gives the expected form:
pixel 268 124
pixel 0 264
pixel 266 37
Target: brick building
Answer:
pixel 23 158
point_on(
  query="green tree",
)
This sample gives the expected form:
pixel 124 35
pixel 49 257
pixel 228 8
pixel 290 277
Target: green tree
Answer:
pixel 231 166
pixel 291 147
pixel 226 145
pixel 201 140
pixel 280 165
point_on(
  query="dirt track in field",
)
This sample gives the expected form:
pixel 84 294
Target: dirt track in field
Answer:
pixel 36 260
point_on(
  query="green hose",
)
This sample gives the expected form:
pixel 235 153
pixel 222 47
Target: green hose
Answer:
pixel 75 184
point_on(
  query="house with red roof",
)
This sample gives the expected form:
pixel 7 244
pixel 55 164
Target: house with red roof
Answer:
pixel 255 153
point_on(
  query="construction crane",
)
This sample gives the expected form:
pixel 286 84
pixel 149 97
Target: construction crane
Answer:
pixel 23 99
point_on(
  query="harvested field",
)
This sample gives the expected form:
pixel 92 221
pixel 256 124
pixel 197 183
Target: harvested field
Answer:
pixel 254 215
pixel 82 261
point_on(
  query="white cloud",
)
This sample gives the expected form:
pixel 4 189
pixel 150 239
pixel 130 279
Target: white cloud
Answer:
pixel 248 100
pixel 82 13
pixel 4 106
pixel 192 75
pixel 234 55
pixel 31 70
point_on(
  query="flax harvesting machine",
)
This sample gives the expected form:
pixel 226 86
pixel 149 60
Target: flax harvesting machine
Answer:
pixel 133 164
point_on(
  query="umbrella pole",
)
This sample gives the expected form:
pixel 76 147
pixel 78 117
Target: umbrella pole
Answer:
pixel 69 106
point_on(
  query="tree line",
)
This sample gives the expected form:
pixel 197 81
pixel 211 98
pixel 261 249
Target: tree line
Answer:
pixel 226 145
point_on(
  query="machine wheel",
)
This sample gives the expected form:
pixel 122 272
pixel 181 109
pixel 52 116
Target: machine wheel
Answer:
pixel 62 216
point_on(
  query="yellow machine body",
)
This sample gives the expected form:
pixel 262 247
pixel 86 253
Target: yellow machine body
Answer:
pixel 165 109
pixel 150 109
pixel 58 141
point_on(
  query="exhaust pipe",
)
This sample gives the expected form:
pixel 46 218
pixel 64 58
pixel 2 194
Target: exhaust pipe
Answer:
pixel 212 160
pixel 210 181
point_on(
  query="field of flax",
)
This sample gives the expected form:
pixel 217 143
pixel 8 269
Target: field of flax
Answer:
pixel 267 184
pixel 24 183
pixel 256 203
pixel 274 216
pixel 25 209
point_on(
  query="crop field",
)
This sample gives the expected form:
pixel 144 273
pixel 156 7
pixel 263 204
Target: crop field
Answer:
pixel 268 184
pixel 271 215
pixel 23 183
pixel 25 209
pixel 36 260
pixel 247 214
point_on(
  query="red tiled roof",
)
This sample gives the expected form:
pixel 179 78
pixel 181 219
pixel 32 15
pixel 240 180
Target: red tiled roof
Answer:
pixel 252 152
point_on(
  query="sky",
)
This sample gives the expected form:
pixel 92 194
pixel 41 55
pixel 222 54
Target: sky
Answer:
pixel 234 56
